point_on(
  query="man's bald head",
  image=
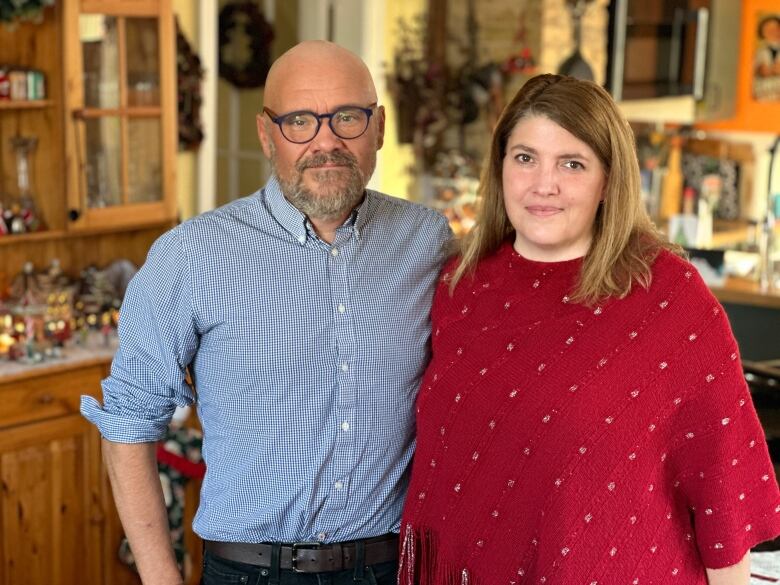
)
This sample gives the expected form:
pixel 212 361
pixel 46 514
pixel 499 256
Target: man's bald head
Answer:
pixel 314 66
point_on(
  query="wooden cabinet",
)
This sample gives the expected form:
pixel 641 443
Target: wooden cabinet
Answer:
pixel 52 519
pixel 104 182
pixel 104 167
pixel 53 502
pixel 107 132
pixel 58 522
pixel 120 111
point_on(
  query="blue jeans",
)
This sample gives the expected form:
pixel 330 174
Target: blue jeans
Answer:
pixel 219 571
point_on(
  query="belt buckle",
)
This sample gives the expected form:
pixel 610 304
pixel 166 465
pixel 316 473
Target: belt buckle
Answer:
pixel 296 546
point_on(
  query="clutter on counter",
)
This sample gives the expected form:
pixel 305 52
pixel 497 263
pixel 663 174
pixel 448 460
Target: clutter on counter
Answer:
pixel 46 315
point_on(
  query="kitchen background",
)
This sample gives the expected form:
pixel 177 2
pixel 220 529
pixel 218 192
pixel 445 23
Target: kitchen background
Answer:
pixel 119 118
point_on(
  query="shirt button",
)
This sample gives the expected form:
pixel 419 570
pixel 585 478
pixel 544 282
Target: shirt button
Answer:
pixel 345 426
pixel 301 239
pixel 341 308
pixel 344 367
pixel 322 535
pixel 334 252
pixel 338 485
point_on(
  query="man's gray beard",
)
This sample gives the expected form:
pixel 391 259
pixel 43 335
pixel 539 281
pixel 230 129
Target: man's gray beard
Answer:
pixel 335 197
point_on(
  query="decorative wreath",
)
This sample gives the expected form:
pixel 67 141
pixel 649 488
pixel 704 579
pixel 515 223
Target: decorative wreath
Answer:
pixel 189 74
pixel 244 44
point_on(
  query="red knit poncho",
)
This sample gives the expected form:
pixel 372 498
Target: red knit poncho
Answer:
pixel 567 445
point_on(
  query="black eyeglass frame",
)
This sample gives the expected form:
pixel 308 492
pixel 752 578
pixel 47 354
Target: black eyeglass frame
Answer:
pixel 278 119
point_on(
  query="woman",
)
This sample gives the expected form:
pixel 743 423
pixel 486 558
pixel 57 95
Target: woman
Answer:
pixel 584 418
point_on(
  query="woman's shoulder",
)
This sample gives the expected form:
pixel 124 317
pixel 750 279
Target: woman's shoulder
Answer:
pixel 671 270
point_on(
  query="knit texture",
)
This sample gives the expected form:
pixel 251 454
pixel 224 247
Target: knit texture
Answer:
pixel 562 444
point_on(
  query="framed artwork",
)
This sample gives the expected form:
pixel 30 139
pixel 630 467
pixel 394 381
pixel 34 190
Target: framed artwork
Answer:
pixel 766 58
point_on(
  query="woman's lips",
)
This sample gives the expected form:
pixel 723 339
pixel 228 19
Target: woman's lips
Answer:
pixel 542 210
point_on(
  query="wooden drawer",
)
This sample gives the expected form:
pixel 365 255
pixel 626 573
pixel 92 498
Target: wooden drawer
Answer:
pixel 47 396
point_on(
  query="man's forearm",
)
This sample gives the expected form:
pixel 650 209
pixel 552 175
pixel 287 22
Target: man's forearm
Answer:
pixel 135 483
pixel 738 574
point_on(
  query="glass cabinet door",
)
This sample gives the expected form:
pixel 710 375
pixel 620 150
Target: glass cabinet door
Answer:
pixel 123 111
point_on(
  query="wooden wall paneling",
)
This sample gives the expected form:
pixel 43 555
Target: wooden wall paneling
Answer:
pixel 75 252
pixel 37 46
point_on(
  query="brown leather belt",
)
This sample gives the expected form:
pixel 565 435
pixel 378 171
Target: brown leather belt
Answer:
pixel 309 557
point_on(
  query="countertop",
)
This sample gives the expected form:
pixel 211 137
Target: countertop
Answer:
pixel 743 291
pixel 94 351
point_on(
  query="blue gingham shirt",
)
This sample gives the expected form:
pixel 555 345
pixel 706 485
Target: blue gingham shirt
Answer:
pixel 306 357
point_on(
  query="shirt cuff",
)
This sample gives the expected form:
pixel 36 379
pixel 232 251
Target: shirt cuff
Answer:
pixel 119 428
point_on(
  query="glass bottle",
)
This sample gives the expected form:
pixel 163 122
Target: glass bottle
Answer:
pixel 25 214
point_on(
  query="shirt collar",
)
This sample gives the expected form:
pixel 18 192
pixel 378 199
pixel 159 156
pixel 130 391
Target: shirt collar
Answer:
pixel 295 222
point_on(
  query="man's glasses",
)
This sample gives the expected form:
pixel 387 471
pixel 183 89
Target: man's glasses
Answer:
pixel 300 127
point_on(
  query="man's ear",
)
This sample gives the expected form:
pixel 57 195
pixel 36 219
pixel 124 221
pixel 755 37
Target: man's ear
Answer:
pixel 263 135
pixel 380 118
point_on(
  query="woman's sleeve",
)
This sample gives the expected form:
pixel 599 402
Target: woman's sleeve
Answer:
pixel 721 459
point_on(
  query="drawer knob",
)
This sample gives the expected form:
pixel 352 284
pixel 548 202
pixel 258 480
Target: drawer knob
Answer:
pixel 46 399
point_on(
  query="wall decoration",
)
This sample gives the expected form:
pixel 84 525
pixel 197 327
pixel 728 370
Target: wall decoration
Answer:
pixel 13 11
pixel 576 65
pixel 245 38
pixel 766 62
pixel 189 74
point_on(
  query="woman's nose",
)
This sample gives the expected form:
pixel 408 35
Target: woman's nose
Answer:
pixel 546 180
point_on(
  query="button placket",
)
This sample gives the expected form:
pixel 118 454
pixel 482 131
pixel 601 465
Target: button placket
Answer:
pixel 337 492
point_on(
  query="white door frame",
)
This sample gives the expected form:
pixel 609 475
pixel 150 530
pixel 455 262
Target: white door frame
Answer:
pixel 208 27
pixel 357 25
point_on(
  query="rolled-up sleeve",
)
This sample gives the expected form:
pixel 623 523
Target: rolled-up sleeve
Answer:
pixel 157 341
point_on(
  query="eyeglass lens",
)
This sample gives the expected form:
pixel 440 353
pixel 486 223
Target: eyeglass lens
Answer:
pixel 303 126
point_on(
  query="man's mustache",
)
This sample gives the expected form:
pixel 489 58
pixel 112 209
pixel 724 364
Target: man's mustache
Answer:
pixel 317 160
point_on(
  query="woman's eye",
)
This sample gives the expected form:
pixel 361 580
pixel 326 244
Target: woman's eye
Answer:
pixel 523 158
pixel 574 164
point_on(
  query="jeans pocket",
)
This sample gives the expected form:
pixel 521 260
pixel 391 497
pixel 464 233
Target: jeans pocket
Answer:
pixel 381 574
pixel 218 571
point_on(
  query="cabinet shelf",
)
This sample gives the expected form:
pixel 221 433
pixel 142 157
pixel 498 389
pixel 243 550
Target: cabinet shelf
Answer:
pixel 52 235
pixel 25 104
pixel 31 237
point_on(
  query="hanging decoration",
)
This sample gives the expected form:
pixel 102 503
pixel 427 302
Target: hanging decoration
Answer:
pixel 576 65
pixel 522 61
pixel 245 38
pixel 189 75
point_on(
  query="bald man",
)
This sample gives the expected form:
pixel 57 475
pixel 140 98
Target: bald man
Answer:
pixel 302 313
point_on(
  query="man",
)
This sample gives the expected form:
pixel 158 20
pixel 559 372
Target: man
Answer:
pixel 302 312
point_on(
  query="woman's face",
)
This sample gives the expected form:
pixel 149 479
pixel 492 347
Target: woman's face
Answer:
pixel 553 183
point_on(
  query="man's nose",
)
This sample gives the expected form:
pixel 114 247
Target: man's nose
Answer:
pixel 325 140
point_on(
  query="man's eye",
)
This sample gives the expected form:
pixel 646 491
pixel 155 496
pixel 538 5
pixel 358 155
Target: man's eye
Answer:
pixel 346 117
pixel 297 121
